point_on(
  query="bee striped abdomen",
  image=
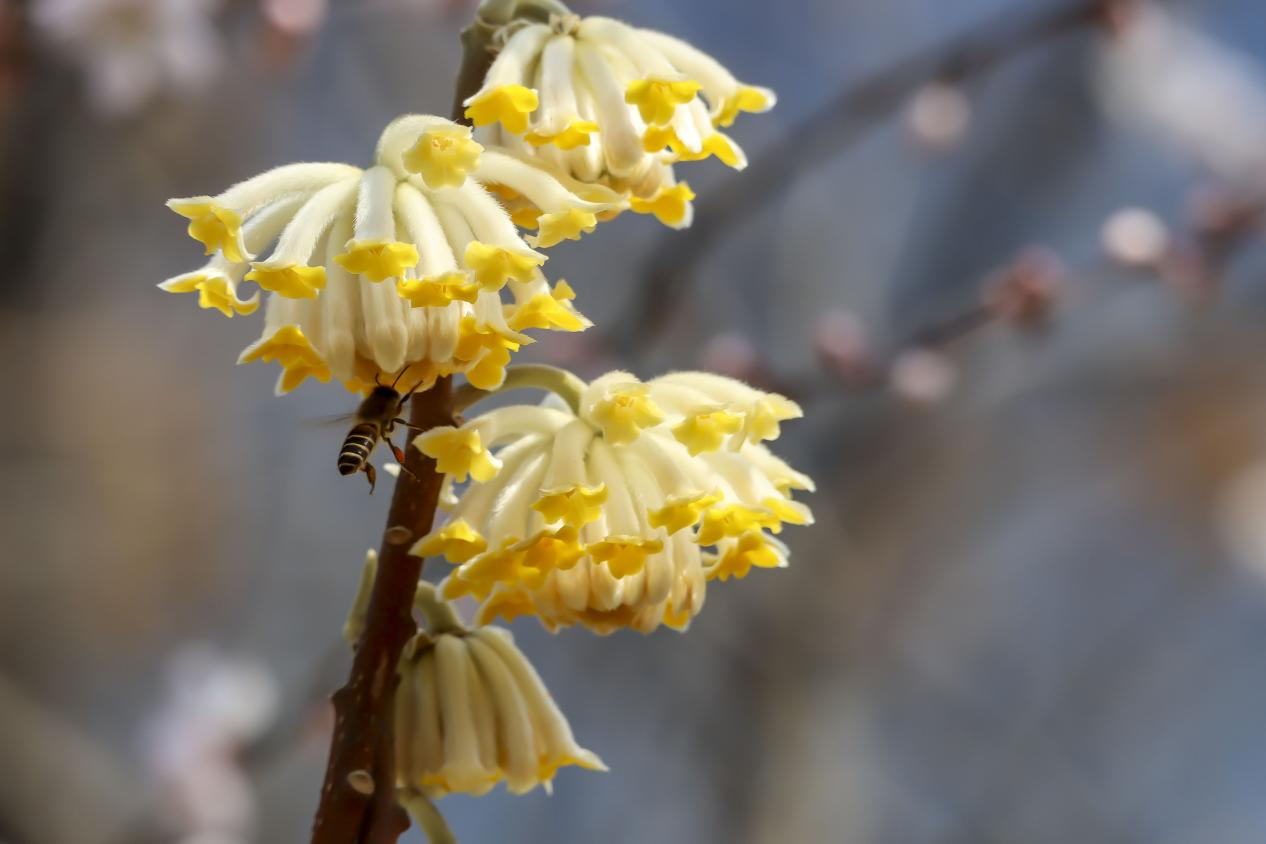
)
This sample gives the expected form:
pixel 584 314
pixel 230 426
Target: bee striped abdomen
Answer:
pixel 356 448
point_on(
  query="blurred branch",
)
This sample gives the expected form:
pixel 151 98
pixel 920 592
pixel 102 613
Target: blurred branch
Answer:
pixel 829 131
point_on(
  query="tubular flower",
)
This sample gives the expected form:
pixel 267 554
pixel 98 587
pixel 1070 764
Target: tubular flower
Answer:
pixel 614 507
pixel 612 104
pixel 471 711
pixel 396 267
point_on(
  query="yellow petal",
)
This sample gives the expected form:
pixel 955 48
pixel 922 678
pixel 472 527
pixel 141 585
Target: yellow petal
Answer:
pixel 457 542
pixel 294 281
pixel 576 505
pixel 508 104
pixel 493 266
pixel 443 156
pixel 707 431
pixel 213 225
pixel 458 452
pixel 575 135
pixel 657 98
pixel 563 225
pixel 378 260
pixel 682 511
pixel 625 411
pixel 624 555
pixel 670 205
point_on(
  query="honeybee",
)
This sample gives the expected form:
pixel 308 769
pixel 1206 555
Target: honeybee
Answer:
pixel 376 419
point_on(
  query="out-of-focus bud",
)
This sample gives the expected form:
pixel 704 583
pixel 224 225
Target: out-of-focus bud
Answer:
pixel 922 376
pixel 839 338
pixel 938 116
pixel 296 17
pixel 1135 237
pixel 1217 211
pixel 1024 292
pixel 731 354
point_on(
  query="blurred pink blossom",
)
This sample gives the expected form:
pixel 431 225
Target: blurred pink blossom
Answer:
pixel 130 51
pixel 938 116
pixel 923 376
pixel 214 705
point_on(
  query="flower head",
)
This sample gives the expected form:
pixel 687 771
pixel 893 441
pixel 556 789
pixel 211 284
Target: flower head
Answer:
pixel 392 270
pixel 612 104
pixel 471 711
pixel 602 515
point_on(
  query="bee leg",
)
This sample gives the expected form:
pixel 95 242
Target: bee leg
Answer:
pixel 399 455
pixel 371 475
pixel 408 424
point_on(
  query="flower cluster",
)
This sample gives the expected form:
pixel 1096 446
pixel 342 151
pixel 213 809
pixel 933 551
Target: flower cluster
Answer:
pixel 471 712
pixel 616 510
pixel 612 104
pixel 401 265
pixel 613 503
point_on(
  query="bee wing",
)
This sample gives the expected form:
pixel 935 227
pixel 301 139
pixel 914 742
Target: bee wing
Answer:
pixel 335 420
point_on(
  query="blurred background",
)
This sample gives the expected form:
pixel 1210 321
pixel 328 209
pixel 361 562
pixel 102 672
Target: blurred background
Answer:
pixel 1008 255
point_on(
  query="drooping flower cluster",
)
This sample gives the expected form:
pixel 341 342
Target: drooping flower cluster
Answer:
pixel 398 265
pixel 613 104
pixel 615 511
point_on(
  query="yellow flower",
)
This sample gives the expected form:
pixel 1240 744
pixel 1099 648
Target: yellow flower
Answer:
pixel 549 310
pixel 752 549
pixel 732 520
pixel 289 347
pixel 764 416
pixel 458 452
pixel 378 260
pixel 575 505
pixel 787 512
pixel 443 156
pixel 657 99
pixel 576 134
pixel 707 430
pixel 457 542
pixel 624 411
pixel 214 292
pixel 624 555
pixel 746 98
pixel 556 550
pixel 682 511
pixel 493 266
pixel 563 225
pixel 508 104
pixel 213 225
pixel 439 291
pixel 292 281
pixel 726 151
pixel 487 349
pixel 505 603
pixel 670 205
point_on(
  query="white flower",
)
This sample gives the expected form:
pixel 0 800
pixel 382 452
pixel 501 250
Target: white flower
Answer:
pixel 130 50
pixel 600 513
pixel 471 711
pixel 610 103
pixel 397 266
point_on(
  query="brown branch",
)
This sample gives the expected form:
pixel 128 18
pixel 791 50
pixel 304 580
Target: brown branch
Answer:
pixel 358 800
pixel 826 133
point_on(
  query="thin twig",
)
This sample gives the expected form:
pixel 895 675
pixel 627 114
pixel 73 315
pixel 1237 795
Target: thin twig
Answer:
pixel 827 132
pixel 356 809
